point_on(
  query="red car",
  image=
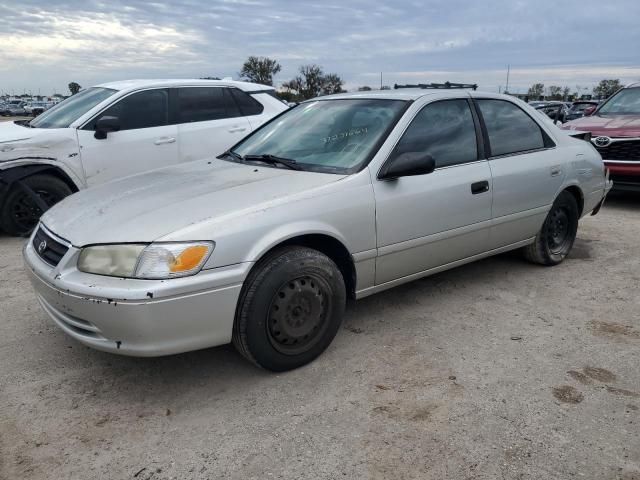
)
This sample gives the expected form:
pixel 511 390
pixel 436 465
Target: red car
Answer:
pixel 615 132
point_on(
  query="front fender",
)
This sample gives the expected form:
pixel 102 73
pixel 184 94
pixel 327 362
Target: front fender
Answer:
pixel 282 233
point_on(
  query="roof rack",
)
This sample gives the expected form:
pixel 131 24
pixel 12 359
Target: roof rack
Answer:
pixel 444 85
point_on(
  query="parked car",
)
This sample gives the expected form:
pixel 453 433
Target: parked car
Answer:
pixel 557 111
pixel 13 109
pixel 119 129
pixel 340 197
pixel 37 108
pixel 615 132
pixel 578 108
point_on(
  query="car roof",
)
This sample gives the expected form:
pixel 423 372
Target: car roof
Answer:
pixel 403 94
pixel 137 84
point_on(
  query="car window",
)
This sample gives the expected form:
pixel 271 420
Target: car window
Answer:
pixel 444 130
pixel 146 109
pixel 333 136
pixel 68 111
pixel 248 105
pixel 509 128
pixel 200 104
pixel 625 102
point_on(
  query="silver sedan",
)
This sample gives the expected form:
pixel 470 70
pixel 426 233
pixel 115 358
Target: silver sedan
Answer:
pixel 340 197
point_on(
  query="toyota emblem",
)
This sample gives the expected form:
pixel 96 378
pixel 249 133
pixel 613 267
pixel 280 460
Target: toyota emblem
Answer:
pixel 42 246
pixel 602 141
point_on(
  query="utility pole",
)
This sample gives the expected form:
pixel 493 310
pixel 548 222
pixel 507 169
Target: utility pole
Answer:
pixel 506 89
pixel 380 80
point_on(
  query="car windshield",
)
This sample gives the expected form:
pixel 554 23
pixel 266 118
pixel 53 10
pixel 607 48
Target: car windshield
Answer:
pixel 333 136
pixel 625 102
pixel 69 110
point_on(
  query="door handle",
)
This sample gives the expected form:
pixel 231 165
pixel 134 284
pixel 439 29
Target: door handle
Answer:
pixel 556 170
pixel 162 141
pixel 480 187
pixel 237 129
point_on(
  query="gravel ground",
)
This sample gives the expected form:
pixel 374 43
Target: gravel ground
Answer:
pixel 495 370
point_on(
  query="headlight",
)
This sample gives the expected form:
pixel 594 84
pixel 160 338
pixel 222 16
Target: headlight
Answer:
pixel 154 261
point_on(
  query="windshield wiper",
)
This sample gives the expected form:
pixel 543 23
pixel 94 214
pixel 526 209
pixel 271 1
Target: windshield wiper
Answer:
pixel 273 159
pixel 231 153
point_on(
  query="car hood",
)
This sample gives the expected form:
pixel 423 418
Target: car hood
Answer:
pixel 609 125
pixel 10 132
pixel 148 206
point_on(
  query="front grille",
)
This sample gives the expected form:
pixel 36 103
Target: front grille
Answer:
pixel 621 150
pixel 49 249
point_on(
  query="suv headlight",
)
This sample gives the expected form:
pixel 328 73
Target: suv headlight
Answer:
pixel 146 261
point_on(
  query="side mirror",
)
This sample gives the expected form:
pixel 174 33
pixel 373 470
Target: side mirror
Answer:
pixel 408 164
pixel 589 111
pixel 105 125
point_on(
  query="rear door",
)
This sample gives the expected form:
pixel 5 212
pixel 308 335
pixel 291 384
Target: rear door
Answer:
pixel 210 121
pixel 426 221
pixel 527 172
pixel 145 141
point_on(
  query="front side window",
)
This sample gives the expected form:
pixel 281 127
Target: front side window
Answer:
pixel 509 128
pixel 334 136
pixel 444 130
pixel 625 102
pixel 146 109
pixel 69 110
pixel 200 104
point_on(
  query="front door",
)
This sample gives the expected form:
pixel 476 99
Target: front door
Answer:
pixel 144 142
pixel 427 221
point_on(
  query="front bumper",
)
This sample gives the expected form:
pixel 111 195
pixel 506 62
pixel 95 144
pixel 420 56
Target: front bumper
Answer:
pixel 138 317
pixel 625 175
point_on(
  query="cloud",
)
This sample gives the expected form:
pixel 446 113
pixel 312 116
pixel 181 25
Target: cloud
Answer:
pixel 46 44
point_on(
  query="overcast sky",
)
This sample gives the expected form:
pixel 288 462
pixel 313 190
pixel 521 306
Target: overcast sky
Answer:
pixel 45 44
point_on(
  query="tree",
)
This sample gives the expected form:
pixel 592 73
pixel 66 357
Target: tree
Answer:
pixel 566 93
pixel 260 70
pixel 312 82
pixel 606 88
pixel 555 92
pixel 74 88
pixel 536 91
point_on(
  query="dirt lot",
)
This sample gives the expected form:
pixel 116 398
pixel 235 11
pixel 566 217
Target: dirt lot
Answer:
pixel 499 369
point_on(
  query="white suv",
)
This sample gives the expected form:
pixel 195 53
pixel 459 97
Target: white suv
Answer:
pixel 119 129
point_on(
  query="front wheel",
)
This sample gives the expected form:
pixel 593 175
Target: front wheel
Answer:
pixel 290 310
pixel 555 239
pixel 20 212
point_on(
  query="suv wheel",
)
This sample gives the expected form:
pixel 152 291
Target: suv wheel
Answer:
pixel 290 309
pixel 19 213
pixel 555 239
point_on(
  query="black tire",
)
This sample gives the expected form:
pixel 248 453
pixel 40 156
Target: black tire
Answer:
pixel 19 213
pixel 290 309
pixel 555 239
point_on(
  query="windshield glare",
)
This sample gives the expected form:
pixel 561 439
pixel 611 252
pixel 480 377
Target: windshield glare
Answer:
pixel 334 136
pixel 69 110
pixel 625 102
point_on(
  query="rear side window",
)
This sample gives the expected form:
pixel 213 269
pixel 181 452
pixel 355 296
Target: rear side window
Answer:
pixel 248 105
pixel 509 128
pixel 444 130
pixel 141 110
pixel 199 104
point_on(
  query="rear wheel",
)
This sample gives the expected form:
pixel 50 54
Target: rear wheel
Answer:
pixel 555 239
pixel 290 310
pixel 20 212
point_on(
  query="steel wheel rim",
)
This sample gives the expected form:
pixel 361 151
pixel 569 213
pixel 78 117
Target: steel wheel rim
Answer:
pixel 298 315
pixel 558 231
